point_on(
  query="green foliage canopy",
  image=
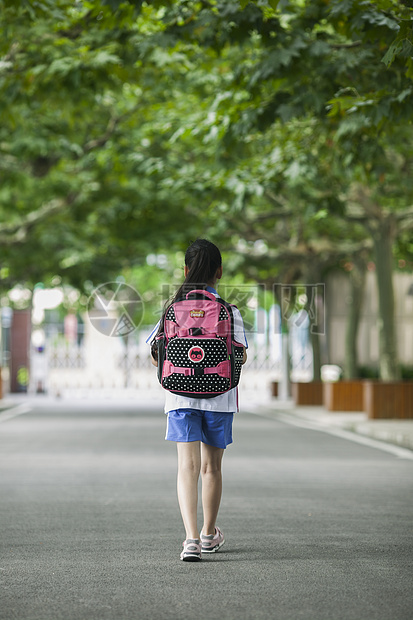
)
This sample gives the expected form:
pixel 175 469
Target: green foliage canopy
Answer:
pixel 128 126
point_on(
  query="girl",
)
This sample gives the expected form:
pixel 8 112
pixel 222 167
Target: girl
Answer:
pixel 201 428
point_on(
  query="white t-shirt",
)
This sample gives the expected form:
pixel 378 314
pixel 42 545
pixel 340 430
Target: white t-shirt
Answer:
pixel 227 402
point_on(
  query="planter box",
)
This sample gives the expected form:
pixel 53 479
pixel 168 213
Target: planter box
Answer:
pixel 388 400
pixel 307 393
pixel 343 395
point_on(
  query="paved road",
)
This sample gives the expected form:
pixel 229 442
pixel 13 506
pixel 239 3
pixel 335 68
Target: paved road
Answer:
pixel 317 527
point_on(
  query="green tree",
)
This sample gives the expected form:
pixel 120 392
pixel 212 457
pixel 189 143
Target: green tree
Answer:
pixel 301 57
pixel 77 195
pixel 132 126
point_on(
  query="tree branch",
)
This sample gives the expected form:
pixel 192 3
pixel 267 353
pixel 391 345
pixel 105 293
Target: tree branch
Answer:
pixel 277 200
pixel 264 217
pixel 355 215
pixel 114 121
pixel 303 251
pixel 16 232
pixel 361 206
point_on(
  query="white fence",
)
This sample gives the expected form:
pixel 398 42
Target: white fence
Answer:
pixel 105 363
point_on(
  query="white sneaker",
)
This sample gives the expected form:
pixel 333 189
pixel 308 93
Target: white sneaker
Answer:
pixel 212 542
pixel 192 550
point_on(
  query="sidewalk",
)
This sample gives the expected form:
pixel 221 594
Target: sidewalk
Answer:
pixel 398 432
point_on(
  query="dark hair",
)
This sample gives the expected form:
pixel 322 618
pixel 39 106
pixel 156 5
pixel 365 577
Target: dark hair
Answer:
pixel 202 258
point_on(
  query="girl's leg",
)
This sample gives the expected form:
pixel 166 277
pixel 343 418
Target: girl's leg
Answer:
pixel 211 460
pixel 189 466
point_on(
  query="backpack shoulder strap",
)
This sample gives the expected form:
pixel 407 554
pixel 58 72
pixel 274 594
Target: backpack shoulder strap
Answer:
pixel 229 307
pixel 225 303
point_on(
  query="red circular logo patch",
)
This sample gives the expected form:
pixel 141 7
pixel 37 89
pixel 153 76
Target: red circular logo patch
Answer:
pixel 196 354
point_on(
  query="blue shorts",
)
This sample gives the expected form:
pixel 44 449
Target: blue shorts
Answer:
pixel 211 427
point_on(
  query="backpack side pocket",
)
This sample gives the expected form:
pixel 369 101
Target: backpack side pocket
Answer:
pixel 160 344
pixel 237 357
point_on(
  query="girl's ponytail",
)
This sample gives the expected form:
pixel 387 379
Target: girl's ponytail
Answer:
pixel 199 268
pixel 202 258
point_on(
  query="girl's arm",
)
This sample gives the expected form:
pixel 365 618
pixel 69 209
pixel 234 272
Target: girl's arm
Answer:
pixel 154 355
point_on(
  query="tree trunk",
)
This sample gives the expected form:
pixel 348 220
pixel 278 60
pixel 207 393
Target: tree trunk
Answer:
pixel 314 311
pixel 383 235
pixel 315 343
pixel 357 283
pixel 284 384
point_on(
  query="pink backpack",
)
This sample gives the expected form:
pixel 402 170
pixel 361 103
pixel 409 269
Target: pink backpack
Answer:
pixel 197 354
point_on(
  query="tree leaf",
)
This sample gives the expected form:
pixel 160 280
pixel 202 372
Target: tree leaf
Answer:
pixel 403 42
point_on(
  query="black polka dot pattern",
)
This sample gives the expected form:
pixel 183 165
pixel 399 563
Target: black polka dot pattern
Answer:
pixel 238 356
pixel 223 314
pixel 215 351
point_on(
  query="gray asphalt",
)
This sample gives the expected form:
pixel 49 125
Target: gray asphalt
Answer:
pixel 317 527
